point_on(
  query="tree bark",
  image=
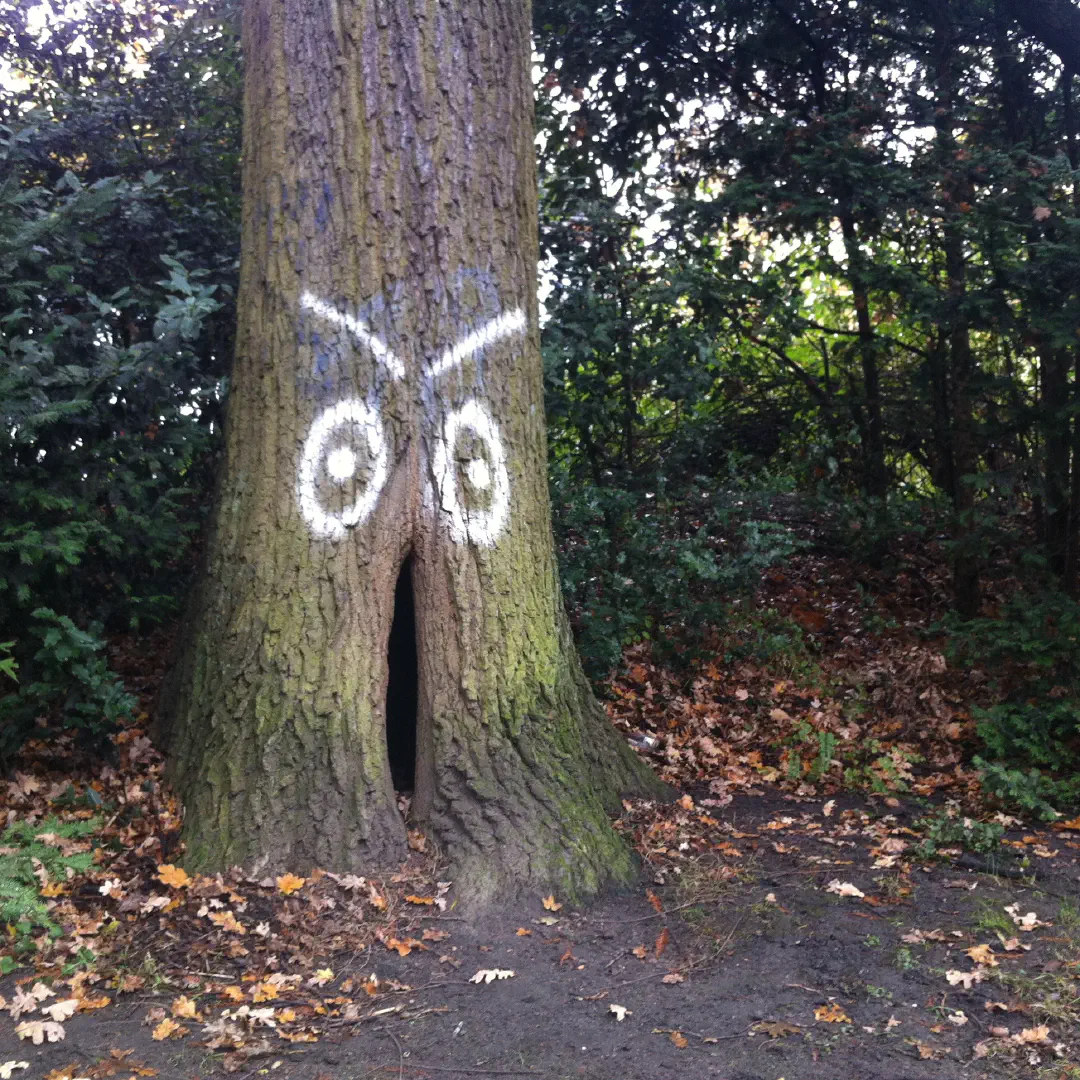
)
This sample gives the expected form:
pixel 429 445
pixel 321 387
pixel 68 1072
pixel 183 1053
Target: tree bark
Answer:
pixel 962 363
pixel 387 405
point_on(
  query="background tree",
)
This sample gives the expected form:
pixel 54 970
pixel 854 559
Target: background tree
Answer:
pixel 386 419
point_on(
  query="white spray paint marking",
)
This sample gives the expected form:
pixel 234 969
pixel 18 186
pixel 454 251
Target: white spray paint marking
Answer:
pixel 378 348
pixel 486 473
pixel 341 464
pixel 467 525
pixel 509 322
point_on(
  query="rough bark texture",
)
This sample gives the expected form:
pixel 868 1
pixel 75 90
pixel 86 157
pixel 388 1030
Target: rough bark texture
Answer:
pixel 389 180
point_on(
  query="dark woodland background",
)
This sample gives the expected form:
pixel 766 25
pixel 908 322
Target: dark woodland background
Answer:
pixel 811 274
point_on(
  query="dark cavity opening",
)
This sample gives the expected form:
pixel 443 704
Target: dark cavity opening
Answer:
pixel 402 698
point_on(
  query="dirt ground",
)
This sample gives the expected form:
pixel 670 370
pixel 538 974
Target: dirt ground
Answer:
pixel 751 970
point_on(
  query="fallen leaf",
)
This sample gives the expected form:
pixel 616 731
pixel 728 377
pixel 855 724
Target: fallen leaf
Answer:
pixel 420 900
pixel 1041 213
pixel 403 948
pixel 679 1039
pixel 9 1067
pixel 321 977
pixel 290 883
pixel 522 932
pixel 1034 1036
pixel 621 1012
pixel 551 904
pixel 662 942
pixel 640 951
pixel 39 1031
pixel 233 993
pixel 965 978
pixel 776 1029
pixel 673 978
pixel 843 888
pixel 173 876
pixel 227 921
pixel 168 1029
pixel 982 954
pixel 61 1010
pixel 487 975
pixel 185 1009
pixel 655 900
pixel 264 991
pixel 1027 922
pixel 926 1052
pixel 831 1014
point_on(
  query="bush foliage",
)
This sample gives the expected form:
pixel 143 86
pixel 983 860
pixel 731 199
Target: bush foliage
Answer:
pixel 793 256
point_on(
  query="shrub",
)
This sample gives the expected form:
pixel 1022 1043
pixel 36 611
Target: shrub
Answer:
pixel 650 566
pixel 1034 649
pixel 103 435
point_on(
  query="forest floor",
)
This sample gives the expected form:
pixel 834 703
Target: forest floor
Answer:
pixel 830 896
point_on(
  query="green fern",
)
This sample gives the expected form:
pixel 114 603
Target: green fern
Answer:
pixel 21 908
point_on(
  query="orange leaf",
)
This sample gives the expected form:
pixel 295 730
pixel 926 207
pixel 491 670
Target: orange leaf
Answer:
pixel 655 900
pixel 184 1009
pixel 662 942
pixel 290 883
pixel 522 932
pixel 233 993
pixel 404 947
pixel 168 1029
pixel 640 951
pixel 982 954
pixel 264 991
pixel 173 876
pixel 831 1014
pixel 88 1004
pixel 551 904
pixel 227 921
pixel 679 1039
pixel 420 899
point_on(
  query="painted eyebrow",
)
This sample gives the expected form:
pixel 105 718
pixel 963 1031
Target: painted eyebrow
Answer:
pixel 359 329
pixel 509 322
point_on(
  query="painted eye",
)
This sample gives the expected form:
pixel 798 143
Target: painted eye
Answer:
pixel 324 447
pixel 341 464
pixel 479 473
pixel 485 473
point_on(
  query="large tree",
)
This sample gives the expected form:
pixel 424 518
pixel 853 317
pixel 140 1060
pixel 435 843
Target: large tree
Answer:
pixel 386 413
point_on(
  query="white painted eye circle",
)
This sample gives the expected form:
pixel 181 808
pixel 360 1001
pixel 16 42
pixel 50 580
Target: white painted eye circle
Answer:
pixel 488 473
pixel 341 465
pixel 479 473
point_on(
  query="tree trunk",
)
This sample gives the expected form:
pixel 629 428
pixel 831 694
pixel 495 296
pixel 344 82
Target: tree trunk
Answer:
pixel 875 470
pixel 958 196
pixel 387 406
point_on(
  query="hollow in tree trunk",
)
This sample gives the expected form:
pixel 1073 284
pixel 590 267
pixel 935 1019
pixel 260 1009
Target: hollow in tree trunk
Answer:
pixel 386 409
